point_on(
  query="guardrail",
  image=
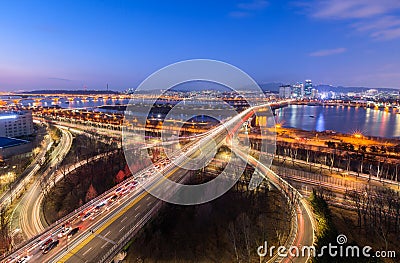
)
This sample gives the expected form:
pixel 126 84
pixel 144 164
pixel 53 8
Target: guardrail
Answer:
pixel 133 229
pixel 76 212
pixel 292 194
pixel 109 256
pixel 66 218
pixel 28 243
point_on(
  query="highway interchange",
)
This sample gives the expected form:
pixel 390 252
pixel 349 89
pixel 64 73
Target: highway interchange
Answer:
pixel 121 216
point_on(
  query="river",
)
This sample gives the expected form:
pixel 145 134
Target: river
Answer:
pixel 370 122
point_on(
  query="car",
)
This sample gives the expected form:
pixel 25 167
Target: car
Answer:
pixel 24 259
pixel 65 231
pixel 72 232
pixel 99 206
pixel 12 259
pixel 113 198
pixel 125 191
pixel 51 246
pixel 86 216
pixel 119 189
pixel 46 243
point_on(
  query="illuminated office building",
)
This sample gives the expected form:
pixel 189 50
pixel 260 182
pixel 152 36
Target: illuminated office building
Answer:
pixel 15 123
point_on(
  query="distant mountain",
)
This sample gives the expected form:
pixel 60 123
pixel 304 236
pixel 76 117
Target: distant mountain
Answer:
pixel 322 88
pixel 341 89
pixel 273 86
pixel 198 85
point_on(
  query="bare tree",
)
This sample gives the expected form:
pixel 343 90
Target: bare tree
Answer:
pixel 232 235
pixel 5 234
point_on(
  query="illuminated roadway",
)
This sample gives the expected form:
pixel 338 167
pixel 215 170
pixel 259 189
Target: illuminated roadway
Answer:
pixel 30 172
pixel 305 234
pixel 110 228
pixel 138 208
pixel 28 214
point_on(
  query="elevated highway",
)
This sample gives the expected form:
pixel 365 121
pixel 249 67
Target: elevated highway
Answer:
pixel 100 238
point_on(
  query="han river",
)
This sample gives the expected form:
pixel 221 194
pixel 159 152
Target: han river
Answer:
pixel 370 122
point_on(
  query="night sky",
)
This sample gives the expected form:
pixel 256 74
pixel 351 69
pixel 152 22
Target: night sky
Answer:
pixel 77 44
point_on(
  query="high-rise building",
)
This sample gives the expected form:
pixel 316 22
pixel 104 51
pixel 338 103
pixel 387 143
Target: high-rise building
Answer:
pixel 15 123
pixel 314 93
pixel 285 91
pixel 308 86
pixel 298 90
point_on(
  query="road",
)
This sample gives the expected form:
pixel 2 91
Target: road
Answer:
pixel 103 220
pixel 368 177
pixel 27 212
pixel 132 217
pixel 306 226
pixel 86 246
pixel 30 171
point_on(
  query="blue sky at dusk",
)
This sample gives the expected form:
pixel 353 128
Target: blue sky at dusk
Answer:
pixel 72 44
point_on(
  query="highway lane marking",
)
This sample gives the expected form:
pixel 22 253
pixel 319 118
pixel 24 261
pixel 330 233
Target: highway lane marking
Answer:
pixel 137 215
pixel 107 233
pixel 74 251
pixel 124 219
pixel 137 207
pixel 108 223
pixel 147 199
pixel 87 251
pixel 148 204
pixel 122 229
pixel 105 244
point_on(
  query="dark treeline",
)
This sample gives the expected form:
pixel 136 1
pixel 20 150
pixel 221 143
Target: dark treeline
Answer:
pixel 227 229
pixel 378 213
pixel 327 234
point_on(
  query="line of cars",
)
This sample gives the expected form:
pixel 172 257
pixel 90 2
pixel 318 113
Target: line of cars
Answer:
pixel 92 212
pixel 105 204
pixel 47 244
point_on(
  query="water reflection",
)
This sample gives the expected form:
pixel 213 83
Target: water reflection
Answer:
pixel 320 123
pixel 342 119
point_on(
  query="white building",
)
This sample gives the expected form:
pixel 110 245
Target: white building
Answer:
pixel 16 123
pixel 285 91
pixel 314 93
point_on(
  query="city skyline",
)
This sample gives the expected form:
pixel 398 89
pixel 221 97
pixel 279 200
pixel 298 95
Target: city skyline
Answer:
pixel 71 45
pixel 199 131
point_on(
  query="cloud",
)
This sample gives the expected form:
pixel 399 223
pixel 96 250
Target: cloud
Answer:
pixel 353 9
pixel 376 18
pixel 328 52
pixel 387 34
pixel 60 79
pixel 246 9
pixel 379 24
pixel 384 28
